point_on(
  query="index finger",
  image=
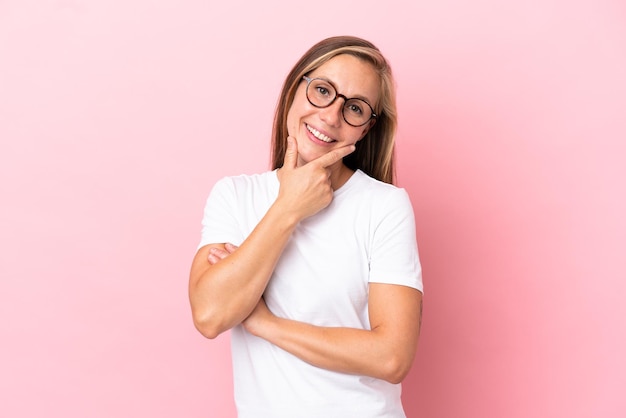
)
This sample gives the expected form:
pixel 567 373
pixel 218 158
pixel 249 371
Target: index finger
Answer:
pixel 333 156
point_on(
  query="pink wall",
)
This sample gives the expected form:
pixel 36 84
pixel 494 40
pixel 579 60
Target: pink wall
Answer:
pixel 117 116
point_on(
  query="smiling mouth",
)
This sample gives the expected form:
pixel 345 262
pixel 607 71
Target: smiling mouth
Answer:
pixel 319 135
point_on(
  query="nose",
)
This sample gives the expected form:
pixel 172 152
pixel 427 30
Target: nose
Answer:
pixel 332 115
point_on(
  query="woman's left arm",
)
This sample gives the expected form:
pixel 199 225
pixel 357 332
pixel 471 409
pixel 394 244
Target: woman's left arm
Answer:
pixel 385 352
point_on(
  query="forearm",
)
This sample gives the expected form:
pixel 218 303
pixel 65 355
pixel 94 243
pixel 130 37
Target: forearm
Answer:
pixel 346 350
pixel 222 295
pixel 386 351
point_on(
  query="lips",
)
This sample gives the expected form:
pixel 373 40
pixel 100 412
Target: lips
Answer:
pixel 319 135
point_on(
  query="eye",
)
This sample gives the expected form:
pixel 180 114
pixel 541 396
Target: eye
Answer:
pixel 355 108
pixel 322 91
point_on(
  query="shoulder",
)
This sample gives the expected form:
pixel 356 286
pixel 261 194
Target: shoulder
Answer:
pixel 379 192
pixel 386 204
pixel 243 179
pixel 244 182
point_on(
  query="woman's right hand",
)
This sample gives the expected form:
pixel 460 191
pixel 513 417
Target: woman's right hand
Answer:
pixel 307 189
pixel 226 283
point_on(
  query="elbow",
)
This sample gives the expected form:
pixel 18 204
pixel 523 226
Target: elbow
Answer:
pixel 207 332
pixel 396 369
pixel 207 325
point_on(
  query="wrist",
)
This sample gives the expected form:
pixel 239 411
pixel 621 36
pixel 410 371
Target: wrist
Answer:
pixel 288 218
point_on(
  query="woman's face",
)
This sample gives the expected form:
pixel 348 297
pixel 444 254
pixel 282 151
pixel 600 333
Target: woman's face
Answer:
pixel 319 130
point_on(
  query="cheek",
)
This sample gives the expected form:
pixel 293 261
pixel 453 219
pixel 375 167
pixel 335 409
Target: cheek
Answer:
pixel 363 133
pixel 290 127
pixel 296 110
pixel 292 121
pixel 366 129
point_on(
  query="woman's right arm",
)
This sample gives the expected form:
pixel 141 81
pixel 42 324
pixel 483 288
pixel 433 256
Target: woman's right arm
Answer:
pixel 222 295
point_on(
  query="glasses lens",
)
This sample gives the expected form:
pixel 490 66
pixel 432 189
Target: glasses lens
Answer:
pixel 357 112
pixel 320 93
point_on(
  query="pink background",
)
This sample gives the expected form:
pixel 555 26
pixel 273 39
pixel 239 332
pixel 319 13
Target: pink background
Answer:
pixel 117 116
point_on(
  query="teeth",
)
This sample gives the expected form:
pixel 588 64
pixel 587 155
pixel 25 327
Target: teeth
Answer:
pixel 319 135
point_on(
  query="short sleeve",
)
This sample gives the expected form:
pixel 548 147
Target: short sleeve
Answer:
pixel 219 223
pixel 394 257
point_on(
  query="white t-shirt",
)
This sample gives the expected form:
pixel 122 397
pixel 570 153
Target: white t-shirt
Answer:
pixel 366 234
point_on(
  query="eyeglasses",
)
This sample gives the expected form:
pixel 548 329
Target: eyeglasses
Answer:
pixel 321 93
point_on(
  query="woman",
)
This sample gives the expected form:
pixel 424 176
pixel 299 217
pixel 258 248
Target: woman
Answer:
pixel 314 265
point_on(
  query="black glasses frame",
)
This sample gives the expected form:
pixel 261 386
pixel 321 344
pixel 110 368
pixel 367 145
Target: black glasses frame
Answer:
pixel 337 94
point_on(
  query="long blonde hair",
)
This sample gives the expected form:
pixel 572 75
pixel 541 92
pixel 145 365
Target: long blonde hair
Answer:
pixel 374 154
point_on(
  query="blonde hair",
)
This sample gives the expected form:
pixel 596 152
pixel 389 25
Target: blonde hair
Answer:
pixel 374 154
